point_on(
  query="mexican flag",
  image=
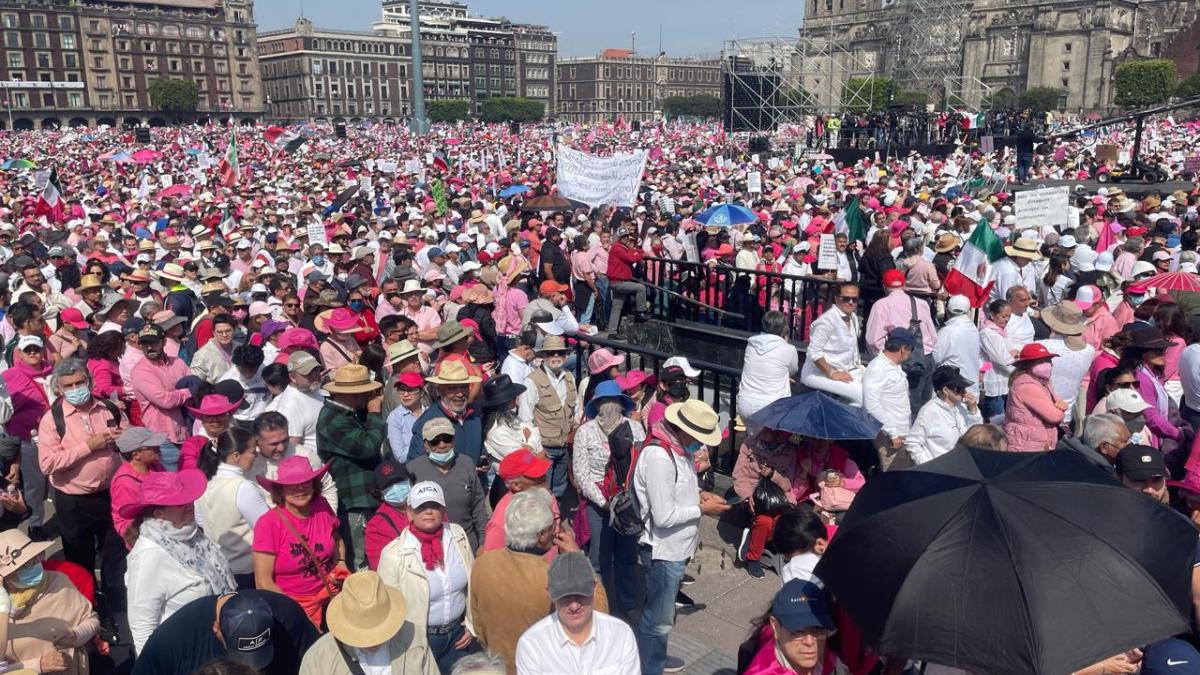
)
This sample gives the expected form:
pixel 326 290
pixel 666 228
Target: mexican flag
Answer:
pixel 972 272
pixel 50 203
pixel 856 221
pixel 228 169
pixel 279 137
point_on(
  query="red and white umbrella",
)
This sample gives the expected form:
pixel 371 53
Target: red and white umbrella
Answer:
pixel 1170 281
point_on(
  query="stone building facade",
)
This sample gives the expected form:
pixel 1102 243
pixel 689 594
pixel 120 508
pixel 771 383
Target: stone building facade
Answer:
pixel 618 83
pixel 115 49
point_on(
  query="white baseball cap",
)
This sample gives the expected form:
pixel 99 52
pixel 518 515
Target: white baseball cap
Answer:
pixel 1104 261
pixel 29 341
pixel 1067 241
pixel 1087 296
pixel 958 304
pixel 683 363
pixel 1126 400
pixel 426 492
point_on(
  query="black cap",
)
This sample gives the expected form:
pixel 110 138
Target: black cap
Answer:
pixel 133 325
pixel 217 300
pixel 390 471
pixel 948 376
pixel 246 621
pixel 1141 462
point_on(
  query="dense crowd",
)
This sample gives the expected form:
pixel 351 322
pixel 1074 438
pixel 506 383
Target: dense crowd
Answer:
pixel 290 403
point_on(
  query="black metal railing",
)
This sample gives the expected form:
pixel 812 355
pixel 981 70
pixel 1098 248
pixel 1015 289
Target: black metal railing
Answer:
pixel 717 385
pixel 697 290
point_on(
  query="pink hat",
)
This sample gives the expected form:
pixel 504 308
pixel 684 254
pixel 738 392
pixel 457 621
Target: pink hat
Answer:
pixel 635 378
pixel 166 488
pixel 1190 482
pixel 73 317
pixel 295 470
pixel 298 338
pixel 1087 296
pixel 259 308
pixel 434 275
pixel 213 405
pixel 602 359
pixel 341 320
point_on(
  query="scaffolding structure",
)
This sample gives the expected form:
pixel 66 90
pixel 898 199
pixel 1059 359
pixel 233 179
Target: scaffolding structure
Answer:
pixel 929 49
pixel 760 85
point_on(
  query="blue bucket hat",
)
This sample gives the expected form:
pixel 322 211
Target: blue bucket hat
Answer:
pixel 607 389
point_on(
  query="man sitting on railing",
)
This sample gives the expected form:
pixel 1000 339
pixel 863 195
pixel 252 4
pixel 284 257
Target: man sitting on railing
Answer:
pixel 623 255
pixel 832 363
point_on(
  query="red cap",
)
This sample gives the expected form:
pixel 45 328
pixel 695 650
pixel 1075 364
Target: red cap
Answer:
pixel 551 286
pixel 411 380
pixel 522 462
pixel 1035 352
pixel 1135 231
pixel 893 279
pixel 484 257
pixel 73 317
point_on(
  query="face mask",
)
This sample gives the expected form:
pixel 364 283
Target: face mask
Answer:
pixel 78 395
pixel 396 493
pixel 1136 300
pixel 441 457
pixel 318 260
pixel 678 390
pixel 239 314
pixel 357 305
pixel 1041 370
pixel 30 576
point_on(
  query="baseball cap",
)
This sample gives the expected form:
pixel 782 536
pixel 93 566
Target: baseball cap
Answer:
pixel 426 492
pixel 1087 296
pixel 522 462
pixel 133 325
pixel 1140 462
pixel 73 317
pixel 570 574
pixel 27 341
pixel 1067 241
pixel 1170 657
pixel 411 380
pixel 682 362
pixel 948 376
pixel 958 304
pixel 902 335
pixel 801 604
pixel 893 279
pixel 551 286
pixel 150 332
pixel 390 471
pixel 302 362
pixel 138 437
pixel 438 426
pixel 246 622
pixel 1126 400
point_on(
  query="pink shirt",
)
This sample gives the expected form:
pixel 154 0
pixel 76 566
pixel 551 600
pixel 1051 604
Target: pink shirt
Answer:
pixel 154 389
pixel 581 266
pixel 333 356
pixel 1100 326
pixel 599 256
pixel 71 465
pixel 425 317
pixel 126 488
pixel 130 359
pixel 1171 356
pixel 895 311
pixel 106 378
pixel 514 303
pixel 294 572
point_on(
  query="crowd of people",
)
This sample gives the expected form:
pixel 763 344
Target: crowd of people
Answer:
pixel 334 409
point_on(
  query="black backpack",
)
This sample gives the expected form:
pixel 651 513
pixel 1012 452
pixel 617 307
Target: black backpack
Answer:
pixel 624 512
pixel 60 422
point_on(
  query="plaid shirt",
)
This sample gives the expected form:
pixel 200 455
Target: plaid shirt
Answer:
pixel 350 442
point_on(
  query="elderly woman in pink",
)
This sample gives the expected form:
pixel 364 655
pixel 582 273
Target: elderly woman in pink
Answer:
pixel 1034 411
pixel 340 348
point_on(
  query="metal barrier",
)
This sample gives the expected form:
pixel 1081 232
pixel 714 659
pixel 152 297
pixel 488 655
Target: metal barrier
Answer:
pixel 745 295
pixel 717 385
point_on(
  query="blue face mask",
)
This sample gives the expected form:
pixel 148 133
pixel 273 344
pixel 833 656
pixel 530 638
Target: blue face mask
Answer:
pixel 357 305
pixel 318 260
pixel 693 447
pixel 442 457
pixel 396 493
pixel 30 576
pixel 78 395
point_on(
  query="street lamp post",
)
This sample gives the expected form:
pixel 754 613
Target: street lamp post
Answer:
pixel 414 22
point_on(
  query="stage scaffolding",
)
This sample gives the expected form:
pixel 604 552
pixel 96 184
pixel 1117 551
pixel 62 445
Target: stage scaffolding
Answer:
pixel 929 50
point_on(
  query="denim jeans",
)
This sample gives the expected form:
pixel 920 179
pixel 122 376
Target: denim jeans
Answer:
pixel 442 648
pixel 663 579
pixel 614 558
pixel 169 453
pixel 558 471
pixel 602 302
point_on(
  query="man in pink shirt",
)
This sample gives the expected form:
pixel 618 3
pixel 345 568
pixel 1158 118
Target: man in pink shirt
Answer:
pixel 156 387
pixel 895 310
pixel 427 318
pixel 77 452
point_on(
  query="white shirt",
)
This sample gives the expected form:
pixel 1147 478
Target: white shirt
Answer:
pixel 1068 370
pixel 1006 274
pixel 158 586
pixel 834 339
pixel 1020 329
pixel 958 346
pixel 997 349
pixel 256 397
pixel 937 429
pixel 885 395
pixel 529 399
pixel 1189 375
pixel 302 411
pixel 374 662
pixel 801 567
pixel 770 362
pixel 669 497
pixel 447 584
pixel 545 649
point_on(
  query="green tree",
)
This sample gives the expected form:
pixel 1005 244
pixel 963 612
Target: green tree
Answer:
pixel 451 110
pixel 1040 99
pixel 174 96
pixel 913 100
pixel 1144 82
pixel 860 94
pixel 1188 87
pixel 1005 99
pixel 511 109
pixel 702 107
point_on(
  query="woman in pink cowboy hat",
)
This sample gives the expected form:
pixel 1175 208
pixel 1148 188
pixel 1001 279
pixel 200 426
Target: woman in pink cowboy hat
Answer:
pixel 297 550
pixel 341 348
pixel 215 414
pixel 173 562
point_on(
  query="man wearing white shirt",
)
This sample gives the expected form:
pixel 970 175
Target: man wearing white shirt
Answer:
pixel 1020 325
pixel 944 419
pixel 1016 269
pixel 958 342
pixel 302 400
pixel 833 364
pixel 576 639
pixel 886 399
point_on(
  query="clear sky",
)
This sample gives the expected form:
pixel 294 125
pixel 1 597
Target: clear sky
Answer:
pixel 689 27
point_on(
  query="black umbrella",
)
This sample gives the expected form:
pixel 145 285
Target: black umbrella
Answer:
pixel 818 415
pixel 1004 563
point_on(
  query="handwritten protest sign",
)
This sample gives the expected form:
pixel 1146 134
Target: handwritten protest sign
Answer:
pixel 1047 207
pixel 593 180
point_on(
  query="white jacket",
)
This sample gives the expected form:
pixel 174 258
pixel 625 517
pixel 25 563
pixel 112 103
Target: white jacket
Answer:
pixel 937 428
pixel 766 374
pixel 401 568
pixel 158 585
pixel 958 346
pixel 885 395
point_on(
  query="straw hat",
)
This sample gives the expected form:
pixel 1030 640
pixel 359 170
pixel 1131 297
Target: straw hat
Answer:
pixel 16 549
pixel 367 612
pixel 452 372
pixel 1024 247
pixel 697 419
pixel 353 379
pixel 92 281
pixel 400 352
pixel 1065 318
pixel 449 333
pixel 946 243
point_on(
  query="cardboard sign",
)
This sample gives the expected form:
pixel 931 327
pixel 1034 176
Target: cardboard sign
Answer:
pixel 754 182
pixel 987 144
pixel 596 180
pixel 827 253
pixel 316 232
pixel 1192 163
pixel 1047 207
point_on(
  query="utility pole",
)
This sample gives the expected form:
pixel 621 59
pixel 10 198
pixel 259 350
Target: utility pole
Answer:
pixel 633 42
pixel 418 124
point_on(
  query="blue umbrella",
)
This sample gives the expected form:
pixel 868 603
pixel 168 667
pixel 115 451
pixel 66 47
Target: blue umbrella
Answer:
pixel 726 215
pixel 817 415
pixel 514 190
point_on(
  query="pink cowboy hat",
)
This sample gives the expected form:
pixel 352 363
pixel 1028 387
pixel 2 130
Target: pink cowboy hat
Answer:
pixel 213 405
pixel 603 359
pixel 166 488
pixel 340 320
pixel 1190 483
pixel 295 470
pixel 635 378
pixel 297 338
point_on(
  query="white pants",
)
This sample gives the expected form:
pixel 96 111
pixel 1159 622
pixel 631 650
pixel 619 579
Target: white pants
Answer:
pixel 33 484
pixel 851 391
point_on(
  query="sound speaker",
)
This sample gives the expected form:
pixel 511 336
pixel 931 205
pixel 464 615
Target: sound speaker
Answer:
pixel 514 128
pixel 747 101
pixel 635 125
pixel 760 144
pixel 142 134
pixel 339 130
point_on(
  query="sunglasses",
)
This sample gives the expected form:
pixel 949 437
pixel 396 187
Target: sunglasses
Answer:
pixel 1123 385
pixel 444 439
pixel 849 299
pixel 291 304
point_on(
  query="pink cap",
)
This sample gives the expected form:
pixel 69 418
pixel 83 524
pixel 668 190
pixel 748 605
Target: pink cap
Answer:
pixel 1087 296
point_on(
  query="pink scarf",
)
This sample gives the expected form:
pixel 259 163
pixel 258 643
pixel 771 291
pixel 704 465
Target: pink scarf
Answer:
pixel 988 323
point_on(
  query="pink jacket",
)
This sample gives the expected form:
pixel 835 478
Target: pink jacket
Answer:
pixel 162 404
pixel 106 378
pixel 1031 418
pixel 28 396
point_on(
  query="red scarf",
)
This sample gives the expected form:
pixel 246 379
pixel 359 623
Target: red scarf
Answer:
pixel 431 546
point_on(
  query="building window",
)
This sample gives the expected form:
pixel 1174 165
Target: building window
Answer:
pixel 70 61
pixel 130 100
pixel 74 99
pixel 151 64
pixel 41 41
pixel 10 20
pixel 194 32
pixel 1067 47
pixel 20 99
pixel 68 41
pixel 43 60
pixel 123 45
pixel 173 65
pixel 124 63
pixel 38 20
pixel 1066 66
pixel 48 99
pixel 12 40
pixel 16 60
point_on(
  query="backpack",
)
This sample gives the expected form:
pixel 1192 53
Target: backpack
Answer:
pixel 914 367
pixel 624 511
pixel 60 422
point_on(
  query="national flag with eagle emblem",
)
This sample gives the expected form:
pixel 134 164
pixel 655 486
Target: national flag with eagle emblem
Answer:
pixel 972 272
pixel 228 169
